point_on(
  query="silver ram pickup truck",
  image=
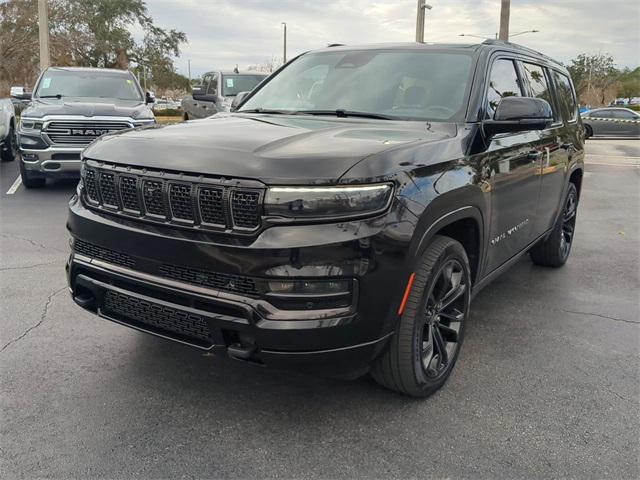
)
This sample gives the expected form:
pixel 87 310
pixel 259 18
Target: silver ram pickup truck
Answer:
pixel 70 108
pixel 7 130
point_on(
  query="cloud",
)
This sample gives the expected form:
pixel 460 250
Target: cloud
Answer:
pixel 223 33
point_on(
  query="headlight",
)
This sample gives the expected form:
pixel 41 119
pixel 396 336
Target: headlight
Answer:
pixel 29 125
pixel 327 202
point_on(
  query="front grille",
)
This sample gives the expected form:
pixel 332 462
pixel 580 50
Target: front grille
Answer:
pixel 219 281
pixel 159 317
pixel 170 198
pixel 81 132
pixel 94 251
pixel 245 208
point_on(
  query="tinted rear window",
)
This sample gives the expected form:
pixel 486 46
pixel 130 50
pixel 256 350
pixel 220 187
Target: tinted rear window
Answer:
pixel 566 97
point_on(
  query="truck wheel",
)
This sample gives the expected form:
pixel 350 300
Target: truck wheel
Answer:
pixel 29 180
pixel 426 344
pixel 8 153
pixel 185 117
pixel 554 250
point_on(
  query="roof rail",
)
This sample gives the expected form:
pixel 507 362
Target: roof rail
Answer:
pixel 336 45
pixel 491 41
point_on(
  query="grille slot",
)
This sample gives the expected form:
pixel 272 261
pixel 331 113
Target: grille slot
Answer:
pixel 108 189
pixel 180 201
pixel 94 251
pixel 212 205
pixel 171 198
pixel 81 133
pixel 129 193
pixel 91 185
pixel 219 281
pixel 177 323
pixel 245 209
pixel 153 197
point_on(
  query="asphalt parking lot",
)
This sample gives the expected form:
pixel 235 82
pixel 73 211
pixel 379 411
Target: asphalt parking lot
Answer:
pixel 547 384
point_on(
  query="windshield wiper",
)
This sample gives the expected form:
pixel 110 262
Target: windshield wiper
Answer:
pixel 267 110
pixel 57 95
pixel 342 113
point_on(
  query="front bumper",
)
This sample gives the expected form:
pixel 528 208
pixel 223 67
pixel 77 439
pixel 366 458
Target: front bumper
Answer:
pixel 339 341
pixel 52 161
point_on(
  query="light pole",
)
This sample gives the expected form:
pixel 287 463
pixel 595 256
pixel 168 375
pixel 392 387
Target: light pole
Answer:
pixel 43 34
pixel 284 49
pixel 420 17
pixel 522 33
pixel 505 10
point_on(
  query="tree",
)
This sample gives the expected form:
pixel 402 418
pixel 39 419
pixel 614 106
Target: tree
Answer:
pixel 93 33
pixel 629 83
pixel 593 75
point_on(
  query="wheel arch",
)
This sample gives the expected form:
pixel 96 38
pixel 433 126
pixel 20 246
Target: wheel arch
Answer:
pixel 462 221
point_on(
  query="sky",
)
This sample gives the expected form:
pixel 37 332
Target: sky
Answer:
pixel 223 33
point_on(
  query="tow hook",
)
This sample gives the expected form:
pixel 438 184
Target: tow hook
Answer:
pixel 241 352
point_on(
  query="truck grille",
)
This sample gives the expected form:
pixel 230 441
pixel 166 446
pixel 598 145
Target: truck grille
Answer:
pixel 160 318
pixel 167 198
pixel 80 132
pixel 94 251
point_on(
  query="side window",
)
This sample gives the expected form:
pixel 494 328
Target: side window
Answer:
pixel 503 82
pixel 539 85
pixel 624 114
pixel 212 86
pixel 566 97
pixel 602 114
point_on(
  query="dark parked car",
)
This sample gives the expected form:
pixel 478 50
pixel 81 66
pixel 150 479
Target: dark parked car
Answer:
pixel 70 108
pixel 217 92
pixel 611 122
pixel 342 220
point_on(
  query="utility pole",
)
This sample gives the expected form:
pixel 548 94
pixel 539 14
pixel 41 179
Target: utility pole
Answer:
pixel 505 8
pixel 420 17
pixel 189 68
pixel 43 32
pixel 284 53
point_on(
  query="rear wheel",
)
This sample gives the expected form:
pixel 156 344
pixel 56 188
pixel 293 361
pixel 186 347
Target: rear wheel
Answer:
pixel 185 116
pixel 425 347
pixel 8 152
pixel 29 180
pixel 554 250
pixel 588 131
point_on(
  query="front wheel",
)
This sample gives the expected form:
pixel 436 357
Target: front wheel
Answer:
pixel 554 250
pixel 29 180
pixel 588 131
pixel 425 347
pixel 8 153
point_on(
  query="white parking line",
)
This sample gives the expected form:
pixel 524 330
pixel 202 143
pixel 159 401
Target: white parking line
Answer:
pixel 15 186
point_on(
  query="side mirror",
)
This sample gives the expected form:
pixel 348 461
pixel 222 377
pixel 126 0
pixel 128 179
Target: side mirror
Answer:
pixel 20 93
pixel 239 98
pixel 149 98
pixel 198 93
pixel 519 114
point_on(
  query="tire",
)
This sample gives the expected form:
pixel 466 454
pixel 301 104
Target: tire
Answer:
pixel 29 180
pixel 588 131
pixel 8 153
pixel 185 117
pixel 554 250
pixel 413 363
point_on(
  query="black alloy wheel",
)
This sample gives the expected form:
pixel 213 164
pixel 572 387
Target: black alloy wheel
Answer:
pixel 554 250
pixel 11 146
pixel 444 314
pixel 425 346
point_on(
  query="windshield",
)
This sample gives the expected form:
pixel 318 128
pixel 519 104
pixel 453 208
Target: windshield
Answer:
pixel 405 84
pixel 234 84
pixel 101 84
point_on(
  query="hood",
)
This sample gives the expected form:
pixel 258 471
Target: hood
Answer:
pixel 275 149
pixel 86 107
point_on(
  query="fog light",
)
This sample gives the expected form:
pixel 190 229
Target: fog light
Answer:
pixel 30 157
pixel 309 287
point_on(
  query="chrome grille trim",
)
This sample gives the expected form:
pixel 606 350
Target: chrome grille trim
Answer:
pixel 183 200
pixel 61 132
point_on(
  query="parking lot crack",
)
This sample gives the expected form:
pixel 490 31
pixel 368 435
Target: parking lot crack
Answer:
pixel 43 317
pixel 602 316
pixel 25 267
pixel 28 240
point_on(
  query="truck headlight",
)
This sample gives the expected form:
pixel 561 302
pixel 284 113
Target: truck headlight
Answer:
pixel 328 202
pixel 29 125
